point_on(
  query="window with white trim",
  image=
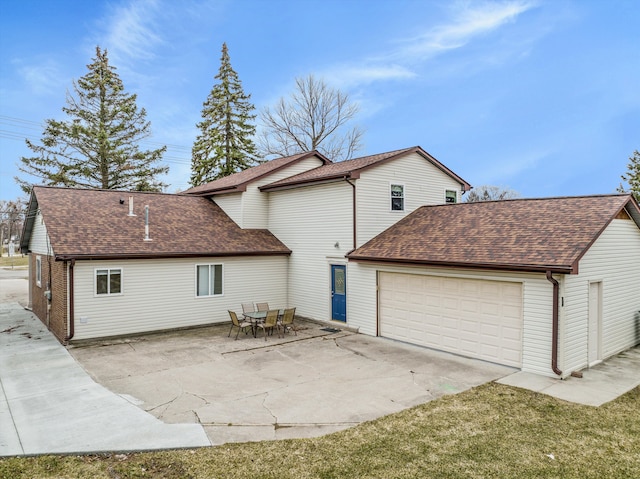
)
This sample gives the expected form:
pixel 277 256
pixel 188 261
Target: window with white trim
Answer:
pixel 208 279
pixel 39 271
pixel 397 197
pixel 108 281
pixel 450 196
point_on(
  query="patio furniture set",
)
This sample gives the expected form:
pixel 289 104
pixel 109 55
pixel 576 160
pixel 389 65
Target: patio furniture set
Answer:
pixel 261 317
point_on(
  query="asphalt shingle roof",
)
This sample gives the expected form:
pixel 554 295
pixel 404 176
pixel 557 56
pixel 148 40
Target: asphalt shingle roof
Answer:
pixel 351 169
pixel 238 181
pixel 94 223
pixel 523 234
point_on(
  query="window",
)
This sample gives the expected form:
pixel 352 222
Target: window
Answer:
pixel 108 281
pixel 397 197
pixel 208 279
pixel 39 271
pixel 451 196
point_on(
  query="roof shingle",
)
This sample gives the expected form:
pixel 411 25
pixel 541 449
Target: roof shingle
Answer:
pixel 522 234
pixel 238 181
pixel 351 169
pixel 95 224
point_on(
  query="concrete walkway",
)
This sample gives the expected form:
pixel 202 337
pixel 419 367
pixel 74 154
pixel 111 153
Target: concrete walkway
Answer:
pixel 599 385
pixel 48 403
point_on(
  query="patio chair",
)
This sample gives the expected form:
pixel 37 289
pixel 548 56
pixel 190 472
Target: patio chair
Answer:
pixel 247 308
pixel 241 325
pixel 262 306
pixel 286 322
pixel 270 322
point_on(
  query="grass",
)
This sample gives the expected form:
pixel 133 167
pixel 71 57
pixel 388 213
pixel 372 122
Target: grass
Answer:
pixel 19 260
pixel 489 431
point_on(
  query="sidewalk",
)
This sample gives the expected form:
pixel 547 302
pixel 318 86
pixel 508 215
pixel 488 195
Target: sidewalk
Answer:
pixel 49 404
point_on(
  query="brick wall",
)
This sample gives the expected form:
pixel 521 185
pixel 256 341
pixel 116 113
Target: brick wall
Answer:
pixel 54 277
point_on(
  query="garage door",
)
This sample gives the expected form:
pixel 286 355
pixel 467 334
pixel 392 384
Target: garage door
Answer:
pixel 476 318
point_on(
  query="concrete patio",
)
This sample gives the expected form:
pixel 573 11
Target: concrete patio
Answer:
pixel 299 386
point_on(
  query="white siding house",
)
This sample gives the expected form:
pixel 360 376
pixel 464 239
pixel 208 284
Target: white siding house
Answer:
pixel 316 213
pixel 422 184
pixel 439 279
pixel 39 243
pixel 159 294
pixel 601 298
pixel 315 207
pixel 381 244
pixel 95 272
pixel 366 292
pixel 316 223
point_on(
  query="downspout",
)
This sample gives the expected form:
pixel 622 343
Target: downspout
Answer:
pixel 71 312
pixel 353 186
pixel 555 326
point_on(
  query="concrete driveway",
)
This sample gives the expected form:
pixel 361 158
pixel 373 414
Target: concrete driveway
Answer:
pixel 300 386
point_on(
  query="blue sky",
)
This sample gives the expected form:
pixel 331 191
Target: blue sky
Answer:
pixel 539 96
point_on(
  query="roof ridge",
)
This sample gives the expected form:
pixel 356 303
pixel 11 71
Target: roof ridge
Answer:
pixel 108 190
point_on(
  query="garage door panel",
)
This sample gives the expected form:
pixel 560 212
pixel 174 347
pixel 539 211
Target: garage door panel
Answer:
pixel 477 318
pixel 514 312
pixel 469 326
pixel 511 334
pixel 489 330
pixel 469 306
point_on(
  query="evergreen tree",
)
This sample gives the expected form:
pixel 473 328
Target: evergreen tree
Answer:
pixel 225 144
pixel 632 177
pixel 98 146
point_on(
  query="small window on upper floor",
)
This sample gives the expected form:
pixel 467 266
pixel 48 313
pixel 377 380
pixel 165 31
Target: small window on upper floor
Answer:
pixel 451 196
pixel 397 197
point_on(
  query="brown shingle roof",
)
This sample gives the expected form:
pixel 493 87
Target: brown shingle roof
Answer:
pixel 524 234
pixel 94 224
pixel 352 168
pixel 238 181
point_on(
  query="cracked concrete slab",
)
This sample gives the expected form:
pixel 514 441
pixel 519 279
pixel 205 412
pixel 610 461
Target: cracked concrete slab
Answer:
pixel 307 385
pixel 48 403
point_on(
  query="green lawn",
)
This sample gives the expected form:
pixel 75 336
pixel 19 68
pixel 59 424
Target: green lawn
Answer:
pixel 18 260
pixel 490 431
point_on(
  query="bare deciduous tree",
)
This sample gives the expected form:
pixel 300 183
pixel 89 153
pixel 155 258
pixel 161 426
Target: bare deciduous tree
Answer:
pixel 490 193
pixel 11 220
pixel 314 117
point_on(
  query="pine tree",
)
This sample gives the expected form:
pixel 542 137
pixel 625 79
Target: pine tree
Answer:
pixel 632 177
pixel 98 146
pixel 225 144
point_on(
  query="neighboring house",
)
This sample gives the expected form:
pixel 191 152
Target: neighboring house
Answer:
pixel 550 286
pixel 105 276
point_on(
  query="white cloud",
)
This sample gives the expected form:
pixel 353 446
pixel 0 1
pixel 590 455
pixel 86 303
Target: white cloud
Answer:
pixel 42 78
pixel 131 31
pixel 352 75
pixel 470 20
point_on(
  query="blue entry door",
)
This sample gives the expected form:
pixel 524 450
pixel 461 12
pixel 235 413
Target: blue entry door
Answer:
pixel 339 292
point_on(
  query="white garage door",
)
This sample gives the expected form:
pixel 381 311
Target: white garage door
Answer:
pixel 476 318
